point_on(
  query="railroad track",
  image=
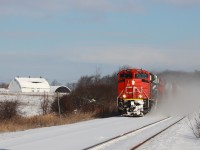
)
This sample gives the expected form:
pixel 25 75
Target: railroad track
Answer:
pixel 135 137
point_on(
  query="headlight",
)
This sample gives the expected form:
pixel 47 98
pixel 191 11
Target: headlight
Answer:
pixel 140 96
pixel 133 82
pixel 124 96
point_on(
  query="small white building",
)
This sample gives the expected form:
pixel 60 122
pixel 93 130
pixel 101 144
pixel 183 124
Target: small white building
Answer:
pixel 29 85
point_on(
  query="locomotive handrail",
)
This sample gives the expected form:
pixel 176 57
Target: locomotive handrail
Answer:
pixel 145 94
pixel 142 91
pixel 120 93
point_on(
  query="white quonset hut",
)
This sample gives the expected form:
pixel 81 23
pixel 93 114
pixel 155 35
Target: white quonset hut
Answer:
pixel 60 89
pixel 29 85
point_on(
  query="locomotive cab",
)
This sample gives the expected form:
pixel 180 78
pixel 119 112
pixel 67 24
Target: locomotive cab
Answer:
pixel 136 92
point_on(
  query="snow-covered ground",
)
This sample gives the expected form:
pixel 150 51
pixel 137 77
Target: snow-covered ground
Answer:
pixel 30 104
pixel 74 136
pixel 133 139
pixel 178 137
pixel 85 134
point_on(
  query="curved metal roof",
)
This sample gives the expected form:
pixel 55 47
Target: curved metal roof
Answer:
pixel 40 83
pixel 60 89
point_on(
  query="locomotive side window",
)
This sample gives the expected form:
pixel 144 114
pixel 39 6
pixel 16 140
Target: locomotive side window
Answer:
pixel 141 76
pixel 126 76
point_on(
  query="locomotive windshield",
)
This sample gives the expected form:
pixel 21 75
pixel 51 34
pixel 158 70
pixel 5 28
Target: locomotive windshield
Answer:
pixel 126 76
pixel 141 76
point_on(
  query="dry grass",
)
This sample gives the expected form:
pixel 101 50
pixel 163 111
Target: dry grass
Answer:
pixel 22 123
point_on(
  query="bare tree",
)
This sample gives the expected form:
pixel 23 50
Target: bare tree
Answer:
pixel 45 104
pixel 194 124
pixel 55 83
pixel 4 85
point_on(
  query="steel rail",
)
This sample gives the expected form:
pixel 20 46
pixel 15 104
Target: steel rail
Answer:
pixel 140 144
pixel 125 134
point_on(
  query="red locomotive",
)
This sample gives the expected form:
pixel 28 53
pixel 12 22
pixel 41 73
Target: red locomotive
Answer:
pixel 137 91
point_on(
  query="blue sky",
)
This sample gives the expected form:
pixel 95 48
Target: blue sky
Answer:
pixel 66 39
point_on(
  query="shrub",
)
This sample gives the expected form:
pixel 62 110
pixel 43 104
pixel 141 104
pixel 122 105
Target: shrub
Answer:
pixel 194 124
pixel 8 109
pixel 107 110
pixel 91 94
pixel 94 93
pixel 65 104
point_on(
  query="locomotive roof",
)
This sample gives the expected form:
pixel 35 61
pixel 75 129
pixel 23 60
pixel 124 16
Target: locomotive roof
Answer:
pixel 133 70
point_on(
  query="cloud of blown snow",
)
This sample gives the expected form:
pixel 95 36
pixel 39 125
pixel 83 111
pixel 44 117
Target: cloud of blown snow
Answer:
pixel 181 94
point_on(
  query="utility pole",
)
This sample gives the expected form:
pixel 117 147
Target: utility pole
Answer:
pixel 59 106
